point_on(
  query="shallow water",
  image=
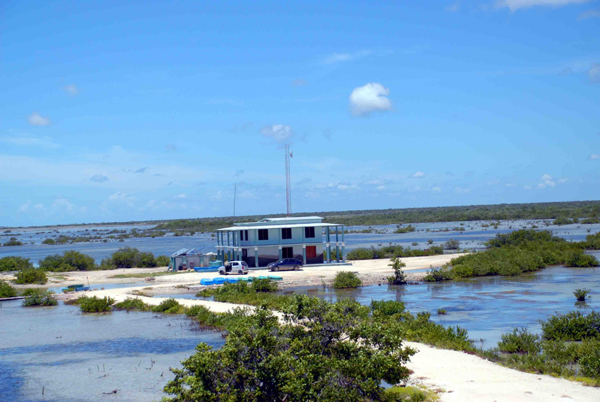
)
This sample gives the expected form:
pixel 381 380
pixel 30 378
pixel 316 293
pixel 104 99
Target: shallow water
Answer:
pixel 472 237
pixel 60 354
pixel 488 306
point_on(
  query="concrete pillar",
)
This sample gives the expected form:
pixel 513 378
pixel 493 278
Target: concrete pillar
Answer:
pixel 337 244
pixel 304 254
pixel 328 237
pixel 280 253
pixel 256 257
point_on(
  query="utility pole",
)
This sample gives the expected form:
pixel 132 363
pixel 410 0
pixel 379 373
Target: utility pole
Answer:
pixel 288 182
pixel 234 191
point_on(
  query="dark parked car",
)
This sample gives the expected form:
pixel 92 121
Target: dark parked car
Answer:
pixel 285 264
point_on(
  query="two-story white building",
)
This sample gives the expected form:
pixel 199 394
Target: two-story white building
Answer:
pixel 305 238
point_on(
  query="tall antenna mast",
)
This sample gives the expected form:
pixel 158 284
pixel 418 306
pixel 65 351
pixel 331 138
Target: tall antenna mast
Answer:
pixel 234 191
pixel 288 182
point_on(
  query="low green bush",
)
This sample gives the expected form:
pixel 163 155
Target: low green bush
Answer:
pixel 580 259
pixel 49 241
pixel 589 359
pixel 390 251
pixel 442 311
pixel 163 261
pixel 399 277
pixel 40 298
pixel 452 244
pixel 132 304
pixel 573 326
pixel 14 264
pixel 519 341
pixel 95 304
pixel 405 229
pixel 581 294
pixel 346 280
pixel 409 394
pixel 70 260
pixel 387 307
pixel 264 285
pixel 169 306
pixel 13 242
pixel 6 290
pixel 439 274
pixel 31 276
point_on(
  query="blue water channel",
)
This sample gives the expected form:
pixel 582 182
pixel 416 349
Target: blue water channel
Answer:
pixel 61 354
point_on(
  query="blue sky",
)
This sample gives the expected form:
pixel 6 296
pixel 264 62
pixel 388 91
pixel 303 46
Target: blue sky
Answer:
pixel 119 111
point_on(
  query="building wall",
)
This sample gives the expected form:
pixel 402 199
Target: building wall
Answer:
pixel 275 237
pixel 269 254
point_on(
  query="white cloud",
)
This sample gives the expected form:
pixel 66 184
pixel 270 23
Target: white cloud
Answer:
pixel 509 185
pixel 546 177
pixel 71 89
pixel 181 196
pixel 527 187
pixel 29 141
pixel 37 120
pixel 461 190
pixel 595 156
pixel 341 57
pixel 25 207
pixel 418 175
pixel 563 180
pixel 380 188
pixel 437 189
pixel 120 197
pixel 589 14
pixel 594 73
pixel 348 187
pixel 369 98
pixel 514 5
pixel 63 203
pixel 278 132
pixel 548 181
pixel 454 7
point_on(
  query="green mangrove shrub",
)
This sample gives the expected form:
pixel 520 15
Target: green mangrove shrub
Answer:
pixel 345 280
pixel 14 264
pixel 321 351
pixel 31 276
pixel 573 326
pixel 95 304
pixel 41 298
pixel 169 306
pixel 581 294
pixel 70 260
pixel 519 341
pixel 131 304
pixel 399 277
pixel 162 261
pixel 6 290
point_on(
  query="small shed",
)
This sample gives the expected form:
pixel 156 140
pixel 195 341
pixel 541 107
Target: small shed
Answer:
pixel 189 259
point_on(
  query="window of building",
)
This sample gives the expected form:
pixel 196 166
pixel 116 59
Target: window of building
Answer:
pixel 287 252
pixel 311 251
pixel 243 235
pixel 263 234
pixel 286 233
pixel 309 233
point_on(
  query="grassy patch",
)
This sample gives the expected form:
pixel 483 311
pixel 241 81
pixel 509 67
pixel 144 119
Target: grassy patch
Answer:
pixel 409 394
pixel 346 280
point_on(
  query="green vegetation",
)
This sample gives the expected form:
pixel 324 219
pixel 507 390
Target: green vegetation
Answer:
pixel 452 244
pixel 581 294
pixel 132 304
pixel 519 341
pixel 405 229
pixel 40 298
pixel 128 257
pixel 564 221
pixel 95 304
pixel 163 261
pixel 409 394
pixel 146 274
pixel 70 260
pixel 260 292
pixel 6 290
pixel 13 242
pixel 14 264
pixel 49 241
pixel 31 276
pixel 573 326
pixel 399 277
pixel 391 251
pixel 346 280
pixel 515 253
pixel 323 351
pixel 548 210
pixel 442 311
pixel 169 306
pixel 553 353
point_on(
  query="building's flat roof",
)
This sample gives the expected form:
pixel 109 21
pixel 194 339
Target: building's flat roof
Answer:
pixel 299 225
